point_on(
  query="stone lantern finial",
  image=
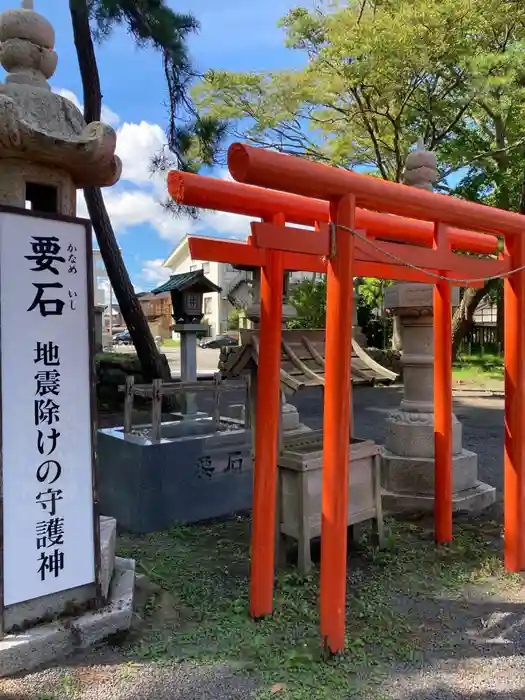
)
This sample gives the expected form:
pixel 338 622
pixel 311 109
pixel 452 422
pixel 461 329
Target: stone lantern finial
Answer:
pixel 421 168
pixel 26 49
pixel 44 139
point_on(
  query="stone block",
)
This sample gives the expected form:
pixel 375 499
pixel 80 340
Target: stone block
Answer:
pixel 471 500
pixel 290 417
pixel 415 475
pixel 49 642
pixel 108 540
pixel 192 474
pixel 413 295
pixel 117 615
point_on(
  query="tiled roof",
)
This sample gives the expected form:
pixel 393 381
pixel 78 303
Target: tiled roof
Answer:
pixel 188 280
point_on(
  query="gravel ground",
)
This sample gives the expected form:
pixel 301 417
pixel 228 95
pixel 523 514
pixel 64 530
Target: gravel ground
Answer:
pixel 499 678
pixel 483 660
pixel 104 676
pixel 485 668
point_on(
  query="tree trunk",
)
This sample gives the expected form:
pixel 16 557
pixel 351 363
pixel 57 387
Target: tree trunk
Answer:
pixel 153 364
pixel 463 318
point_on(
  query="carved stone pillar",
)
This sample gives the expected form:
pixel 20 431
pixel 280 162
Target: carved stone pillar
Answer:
pixel 408 455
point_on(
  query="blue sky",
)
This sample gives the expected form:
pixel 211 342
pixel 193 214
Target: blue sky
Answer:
pixel 235 35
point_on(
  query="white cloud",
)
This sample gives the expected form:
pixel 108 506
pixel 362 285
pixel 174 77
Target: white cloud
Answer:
pixel 108 116
pixel 127 208
pixel 136 146
pixel 153 274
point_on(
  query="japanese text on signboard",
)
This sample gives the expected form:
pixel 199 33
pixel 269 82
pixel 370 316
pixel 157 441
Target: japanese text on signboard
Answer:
pixel 47 258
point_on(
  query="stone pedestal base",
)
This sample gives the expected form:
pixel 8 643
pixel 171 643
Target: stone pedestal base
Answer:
pixel 474 499
pixel 46 643
pixel 408 483
pixel 415 475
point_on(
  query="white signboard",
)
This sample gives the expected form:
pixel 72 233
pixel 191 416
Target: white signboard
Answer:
pixel 46 407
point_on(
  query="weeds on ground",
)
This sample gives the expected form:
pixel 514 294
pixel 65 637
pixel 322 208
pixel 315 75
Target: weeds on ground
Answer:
pixel 479 368
pixel 204 569
pixel 170 343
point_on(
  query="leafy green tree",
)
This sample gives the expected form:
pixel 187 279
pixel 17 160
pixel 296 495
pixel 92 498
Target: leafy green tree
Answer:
pixel 234 320
pixel 372 291
pixel 308 298
pixel 382 73
pixel 190 140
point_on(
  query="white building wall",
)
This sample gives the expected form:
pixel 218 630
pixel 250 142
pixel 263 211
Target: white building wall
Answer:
pixel 100 280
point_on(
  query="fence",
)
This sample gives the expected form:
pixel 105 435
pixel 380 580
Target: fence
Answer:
pixel 481 340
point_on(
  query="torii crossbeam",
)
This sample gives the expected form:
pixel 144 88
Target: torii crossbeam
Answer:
pixel 275 247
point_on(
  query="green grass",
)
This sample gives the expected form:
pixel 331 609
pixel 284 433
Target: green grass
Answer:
pixel 479 369
pixel 391 608
pixel 170 343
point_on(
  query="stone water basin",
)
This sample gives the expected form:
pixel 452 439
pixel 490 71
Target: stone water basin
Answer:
pixel 194 473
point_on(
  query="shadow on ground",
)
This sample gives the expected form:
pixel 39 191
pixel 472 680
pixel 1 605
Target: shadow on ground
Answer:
pixel 423 623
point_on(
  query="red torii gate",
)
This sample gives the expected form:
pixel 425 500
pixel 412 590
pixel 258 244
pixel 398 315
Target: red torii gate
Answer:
pixel 278 248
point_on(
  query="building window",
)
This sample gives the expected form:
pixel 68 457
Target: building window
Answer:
pixel 193 268
pixel 207 306
pixel 206 267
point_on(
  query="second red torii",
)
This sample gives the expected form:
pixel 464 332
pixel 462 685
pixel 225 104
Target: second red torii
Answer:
pixel 274 248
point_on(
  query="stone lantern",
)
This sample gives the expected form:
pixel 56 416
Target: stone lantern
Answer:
pixel 47 151
pixel 187 290
pixel 408 456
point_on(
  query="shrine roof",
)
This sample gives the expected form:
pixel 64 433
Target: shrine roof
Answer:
pixel 195 281
pixel 302 360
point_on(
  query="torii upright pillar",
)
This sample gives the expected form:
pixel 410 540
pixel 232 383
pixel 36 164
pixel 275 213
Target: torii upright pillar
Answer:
pixel 267 434
pixel 337 407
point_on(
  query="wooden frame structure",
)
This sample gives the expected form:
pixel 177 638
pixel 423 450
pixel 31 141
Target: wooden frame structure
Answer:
pixel 159 389
pixel 278 189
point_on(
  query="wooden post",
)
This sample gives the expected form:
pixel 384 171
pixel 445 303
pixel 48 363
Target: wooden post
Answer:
pixel 267 435
pixel 442 403
pixel 248 404
pixel 156 409
pixel 337 402
pixel 514 463
pixel 128 404
pixel 216 415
